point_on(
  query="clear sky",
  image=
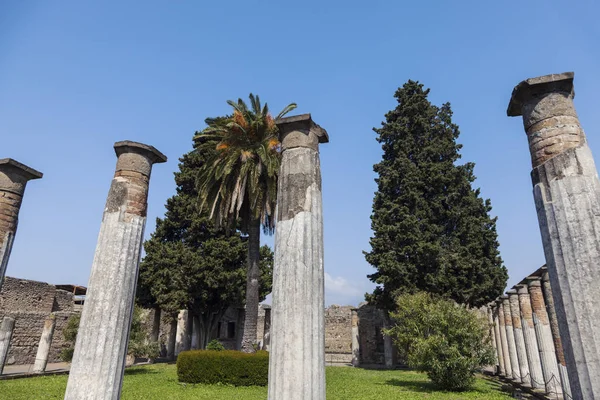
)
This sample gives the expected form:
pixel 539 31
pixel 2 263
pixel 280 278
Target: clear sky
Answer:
pixel 77 76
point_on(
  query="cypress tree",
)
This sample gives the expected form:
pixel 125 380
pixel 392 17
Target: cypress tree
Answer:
pixel 432 230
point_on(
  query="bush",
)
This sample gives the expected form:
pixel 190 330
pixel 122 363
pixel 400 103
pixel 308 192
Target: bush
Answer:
pixel 139 345
pixel 215 345
pixel 446 340
pixel 226 366
pixel 70 335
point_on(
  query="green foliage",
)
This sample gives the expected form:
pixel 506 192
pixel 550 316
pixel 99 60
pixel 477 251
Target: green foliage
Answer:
pixel 70 335
pixel 238 184
pixel 139 345
pixel 226 366
pixel 444 339
pixel 432 231
pixel 215 345
pixel 190 264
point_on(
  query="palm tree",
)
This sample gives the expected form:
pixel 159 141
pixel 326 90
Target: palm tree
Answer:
pixel 238 184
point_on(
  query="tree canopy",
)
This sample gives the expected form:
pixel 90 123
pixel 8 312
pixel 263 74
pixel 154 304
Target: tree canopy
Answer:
pixel 431 230
pixel 191 264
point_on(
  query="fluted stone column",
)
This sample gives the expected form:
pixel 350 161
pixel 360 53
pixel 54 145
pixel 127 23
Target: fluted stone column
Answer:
pixel 504 339
pixel 41 358
pixel 183 332
pixel 355 339
pixel 13 179
pixel 155 333
pixel 548 298
pixel 6 331
pixel 515 312
pixel 544 337
pixel 488 311
pixel 297 357
pixel 101 346
pixel 533 353
pixel 171 340
pixel 498 340
pixel 510 338
pixel 567 198
pixel 267 329
pixel 195 332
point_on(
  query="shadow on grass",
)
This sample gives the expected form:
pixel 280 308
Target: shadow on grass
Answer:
pixel 140 371
pixel 429 387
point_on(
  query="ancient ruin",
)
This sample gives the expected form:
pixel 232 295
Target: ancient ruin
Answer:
pixel 567 197
pixel 297 357
pixel 13 179
pixel 101 346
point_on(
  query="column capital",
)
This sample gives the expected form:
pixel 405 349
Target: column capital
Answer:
pixel 522 289
pixel 531 88
pixel 534 281
pixel 301 131
pixel 137 157
pixel 14 175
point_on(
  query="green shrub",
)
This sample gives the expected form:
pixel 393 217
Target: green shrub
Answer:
pixel 446 340
pixel 215 345
pixel 70 335
pixel 227 366
pixel 139 345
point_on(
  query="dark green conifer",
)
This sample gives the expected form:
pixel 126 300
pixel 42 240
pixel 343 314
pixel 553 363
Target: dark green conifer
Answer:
pixel 432 230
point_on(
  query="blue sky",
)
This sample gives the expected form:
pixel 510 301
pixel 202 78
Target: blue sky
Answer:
pixel 77 76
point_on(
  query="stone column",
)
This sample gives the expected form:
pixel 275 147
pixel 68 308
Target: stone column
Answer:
pixel 171 340
pixel 195 332
pixel 183 327
pixel 515 312
pixel 13 179
pixel 488 311
pixel 510 338
pixel 388 343
pixel 558 347
pixel 297 357
pixel 355 339
pixel 155 325
pixel 497 339
pixel 101 346
pixel 267 329
pixel 533 354
pixel 544 336
pixel 239 327
pixel 567 198
pixel 504 339
pixel 41 358
pixel 6 331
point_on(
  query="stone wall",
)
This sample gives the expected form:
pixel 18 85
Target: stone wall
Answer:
pixel 370 324
pixel 338 334
pixel 30 303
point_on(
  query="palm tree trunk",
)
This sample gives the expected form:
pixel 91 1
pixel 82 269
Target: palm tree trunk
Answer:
pixel 252 287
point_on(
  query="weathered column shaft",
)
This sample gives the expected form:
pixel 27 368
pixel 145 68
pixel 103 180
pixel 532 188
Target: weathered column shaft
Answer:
pixel 155 325
pixel 544 337
pixel 183 327
pixel 41 358
pixel 388 344
pixel 6 331
pixel 297 357
pixel 101 346
pixel 533 353
pixel 510 338
pixel 13 179
pixel 355 339
pixel 504 340
pixel 488 311
pixel 567 198
pixel 548 299
pixel 515 312
pixel 195 332
pixel 267 330
pixel 498 339
pixel 172 339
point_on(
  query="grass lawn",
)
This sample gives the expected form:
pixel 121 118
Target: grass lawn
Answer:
pixel 160 382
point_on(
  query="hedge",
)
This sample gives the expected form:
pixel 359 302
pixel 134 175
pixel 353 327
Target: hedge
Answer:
pixel 228 367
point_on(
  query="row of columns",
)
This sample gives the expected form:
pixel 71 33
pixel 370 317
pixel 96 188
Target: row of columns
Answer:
pixel 528 348
pixel 41 359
